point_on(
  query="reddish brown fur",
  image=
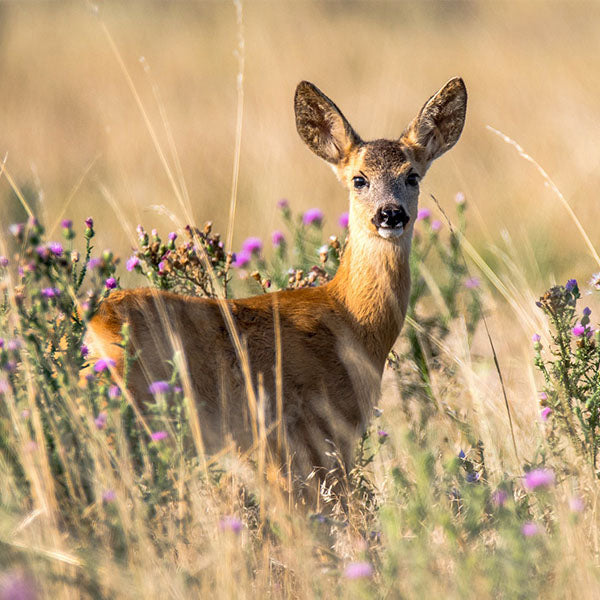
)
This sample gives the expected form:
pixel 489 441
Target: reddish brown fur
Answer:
pixel 335 338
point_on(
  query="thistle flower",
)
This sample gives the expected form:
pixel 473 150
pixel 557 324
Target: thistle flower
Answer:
pixel 472 282
pixel 423 214
pixel 545 413
pixel 172 236
pixel 382 433
pixel 110 283
pixel 358 570
pixel 50 292
pixel 159 387
pixel 84 350
pixel 459 198
pixel 529 529
pixel 578 330
pixel 277 238
pixel 587 311
pixel 3 261
pixel 436 225
pixel 109 496
pixel 114 392
pixel 539 478
pixel 66 223
pixel 93 263
pixel 252 245
pixel 100 420
pixel 89 223
pixel 499 497
pixel 283 204
pixel 230 523
pixel 157 436
pixel 535 338
pixel 104 364
pixel 313 216
pixel 56 248
pixel 344 220
pixel 242 259
pixel 132 263
pixel 571 285
pixel 16 585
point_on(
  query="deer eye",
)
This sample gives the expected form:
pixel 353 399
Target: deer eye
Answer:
pixel 359 182
pixel 412 179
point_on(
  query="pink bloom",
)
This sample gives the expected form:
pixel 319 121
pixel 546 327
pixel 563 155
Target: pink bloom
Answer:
pixel 84 350
pixel 472 283
pixel 100 420
pixel 358 570
pixel 436 225
pixel 578 330
pixel 535 338
pixel 382 433
pixel 132 263
pixel 343 220
pixel 283 204
pixel 230 523
pixel 109 496
pixel 172 236
pixel 539 478
pixel 114 392
pixel 3 261
pixel 89 222
pixel 66 224
pixel 499 497
pixel 110 283
pixel 104 364
pixel 543 396
pixel 242 259
pixel 55 248
pixel 313 216
pixel 277 238
pixel 252 245
pixel 546 412
pixel 93 263
pixel 530 529
pixel 459 198
pixel 423 214
pixel 16 585
pixel 576 504
pixel 157 436
pixel 159 387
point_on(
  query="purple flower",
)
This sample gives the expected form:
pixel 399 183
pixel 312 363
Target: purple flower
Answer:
pixel 545 413
pixel 571 285
pixel 535 338
pixel 104 364
pixel 530 529
pixel 277 238
pixel 43 252
pixel 157 436
pixel 109 496
pixel 461 454
pixel 89 222
pixel 252 245
pixel 16 585
pixel 93 263
pixel 110 283
pixel 576 504
pixel 16 229
pixel 242 259
pixel 172 236
pixel 114 392
pixel 543 396
pixel 578 330
pixel 436 225
pixel 382 434
pixel 100 420
pixel 56 248
pixel 539 478
pixel 230 523
pixel 162 266
pixel 473 476
pixel 66 224
pixel 459 198
pixel 50 292
pixel 84 350
pixel 3 261
pixel 472 282
pixel 423 214
pixel 13 345
pixel 499 497
pixel 283 204
pixel 587 311
pixel 132 263
pixel 358 570
pixel 343 220
pixel 159 387
pixel 313 216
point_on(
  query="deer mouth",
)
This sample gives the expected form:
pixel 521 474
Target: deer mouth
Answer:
pixel 391 222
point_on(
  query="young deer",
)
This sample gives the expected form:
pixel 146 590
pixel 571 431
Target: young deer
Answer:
pixel 334 339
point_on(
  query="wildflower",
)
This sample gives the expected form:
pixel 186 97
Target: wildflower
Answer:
pixel 313 216
pixel 242 259
pixel 104 364
pixel 16 229
pixel 472 476
pixel 576 504
pixel 358 570
pixel 283 204
pixel 472 282
pixel 436 225
pixel 543 396
pixel 571 285
pixel 545 413
pixel 529 529
pixel 162 267
pixel 382 433
pixel 110 283
pixel 277 238
pixel 459 198
pixel 539 478
pixel 84 350
pixel 252 245
pixel 578 330
pixel 587 311
pixel 13 345
pixel 461 454
pixel 114 392
pixel 89 223
pixel 423 214
pixel 159 387
pixel 43 252
pixel 16 585
pixel 109 496
pixel 230 523
pixel 50 292
pixel 100 420
pixel 157 436
pixel 66 224
pixel 172 236
pixel 3 261
pixel 93 263
pixel 499 497
pixel 535 338
pixel 56 248
pixel 595 281
pixel 343 220
pixel 132 263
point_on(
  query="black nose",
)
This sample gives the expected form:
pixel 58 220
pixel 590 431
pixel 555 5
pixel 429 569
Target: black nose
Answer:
pixel 391 217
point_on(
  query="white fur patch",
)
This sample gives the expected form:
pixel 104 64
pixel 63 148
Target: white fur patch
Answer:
pixel 388 233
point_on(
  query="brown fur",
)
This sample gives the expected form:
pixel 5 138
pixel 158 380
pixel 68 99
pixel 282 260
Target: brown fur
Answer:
pixel 334 339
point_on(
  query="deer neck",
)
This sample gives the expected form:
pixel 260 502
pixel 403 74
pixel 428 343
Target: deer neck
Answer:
pixel 373 285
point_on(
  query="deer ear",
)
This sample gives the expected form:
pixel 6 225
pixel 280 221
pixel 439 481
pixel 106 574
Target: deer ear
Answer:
pixel 322 125
pixel 439 124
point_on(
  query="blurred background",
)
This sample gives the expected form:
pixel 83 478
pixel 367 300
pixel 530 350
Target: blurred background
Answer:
pixel 78 144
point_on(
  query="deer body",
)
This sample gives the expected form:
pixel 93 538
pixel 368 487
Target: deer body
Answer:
pixel 334 338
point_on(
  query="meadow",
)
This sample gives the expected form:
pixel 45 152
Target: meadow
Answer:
pixel 122 124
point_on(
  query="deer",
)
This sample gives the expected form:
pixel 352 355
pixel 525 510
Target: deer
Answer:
pixel 332 341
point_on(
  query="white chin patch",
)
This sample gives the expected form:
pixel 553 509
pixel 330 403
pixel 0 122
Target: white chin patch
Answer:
pixel 389 233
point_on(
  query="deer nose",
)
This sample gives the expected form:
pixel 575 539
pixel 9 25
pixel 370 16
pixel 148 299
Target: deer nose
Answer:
pixel 391 217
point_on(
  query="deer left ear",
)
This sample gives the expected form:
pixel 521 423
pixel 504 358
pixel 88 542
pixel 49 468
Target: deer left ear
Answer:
pixel 439 124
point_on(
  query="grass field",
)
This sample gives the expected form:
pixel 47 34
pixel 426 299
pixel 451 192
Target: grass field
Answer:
pixel 130 114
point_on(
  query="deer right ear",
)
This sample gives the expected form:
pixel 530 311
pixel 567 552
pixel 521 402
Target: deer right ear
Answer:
pixel 322 125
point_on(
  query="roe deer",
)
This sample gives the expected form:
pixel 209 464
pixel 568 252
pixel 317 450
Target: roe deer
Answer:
pixel 334 339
